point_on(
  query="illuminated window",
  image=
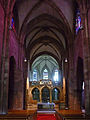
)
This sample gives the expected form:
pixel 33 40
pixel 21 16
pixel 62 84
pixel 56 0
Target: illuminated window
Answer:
pixel 12 23
pixel 78 21
pixel 56 75
pixel 45 74
pixel 35 75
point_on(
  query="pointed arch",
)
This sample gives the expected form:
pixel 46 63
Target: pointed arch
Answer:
pixel 36 94
pixel 55 94
pixel 46 75
pixel 53 5
pixel 45 94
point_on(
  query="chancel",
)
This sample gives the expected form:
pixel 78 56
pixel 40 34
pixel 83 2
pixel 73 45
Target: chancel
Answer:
pixel 45 59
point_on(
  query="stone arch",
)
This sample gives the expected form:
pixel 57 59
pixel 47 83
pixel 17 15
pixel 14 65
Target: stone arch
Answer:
pixel 51 4
pixel 55 94
pixel 34 88
pixel 45 94
pixel 36 94
pixel 58 26
pixel 56 88
pixel 15 17
pixel 47 53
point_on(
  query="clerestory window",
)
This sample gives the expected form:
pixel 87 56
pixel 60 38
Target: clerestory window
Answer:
pixel 45 74
pixel 56 75
pixel 35 75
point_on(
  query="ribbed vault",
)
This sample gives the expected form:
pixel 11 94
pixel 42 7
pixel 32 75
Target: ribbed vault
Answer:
pixel 45 61
pixel 45 27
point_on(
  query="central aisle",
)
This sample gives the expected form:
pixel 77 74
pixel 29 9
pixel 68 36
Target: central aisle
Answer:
pixel 46 117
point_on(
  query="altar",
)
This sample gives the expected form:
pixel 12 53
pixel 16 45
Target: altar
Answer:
pixel 46 106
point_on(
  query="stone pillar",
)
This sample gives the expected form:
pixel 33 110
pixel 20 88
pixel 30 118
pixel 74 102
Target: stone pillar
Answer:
pixel 66 80
pixel 25 77
pixel 62 74
pixel 18 91
pixel 72 86
pixel 27 84
pixel 4 70
pixel 87 84
pixel 50 95
pixel 40 96
pixel 28 75
pixel 86 54
pixel 64 89
pixel 30 95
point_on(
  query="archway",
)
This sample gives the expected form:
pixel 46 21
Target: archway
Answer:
pixel 55 94
pixel 12 66
pixel 36 94
pixel 45 95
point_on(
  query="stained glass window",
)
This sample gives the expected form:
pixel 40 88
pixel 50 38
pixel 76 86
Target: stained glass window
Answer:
pixel 12 23
pixel 35 75
pixel 56 75
pixel 78 21
pixel 45 74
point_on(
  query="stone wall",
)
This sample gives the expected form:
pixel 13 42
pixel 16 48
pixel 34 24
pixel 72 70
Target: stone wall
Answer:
pixel 13 46
pixel 15 50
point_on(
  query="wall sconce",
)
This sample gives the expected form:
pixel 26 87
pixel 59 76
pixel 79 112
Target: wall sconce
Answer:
pixel 66 60
pixel 25 60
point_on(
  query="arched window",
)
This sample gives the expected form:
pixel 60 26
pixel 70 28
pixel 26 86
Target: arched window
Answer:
pixel 35 75
pixel 56 75
pixel 35 94
pixel 45 74
pixel 12 24
pixel 55 94
pixel 45 94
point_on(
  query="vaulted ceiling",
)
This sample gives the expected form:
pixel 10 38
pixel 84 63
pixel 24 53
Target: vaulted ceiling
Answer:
pixel 45 62
pixel 46 26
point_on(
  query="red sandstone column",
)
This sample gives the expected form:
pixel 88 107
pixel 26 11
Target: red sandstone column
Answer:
pixel 4 76
pixel 72 83
pixel 86 51
pixel 27 85
pixel 5 64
